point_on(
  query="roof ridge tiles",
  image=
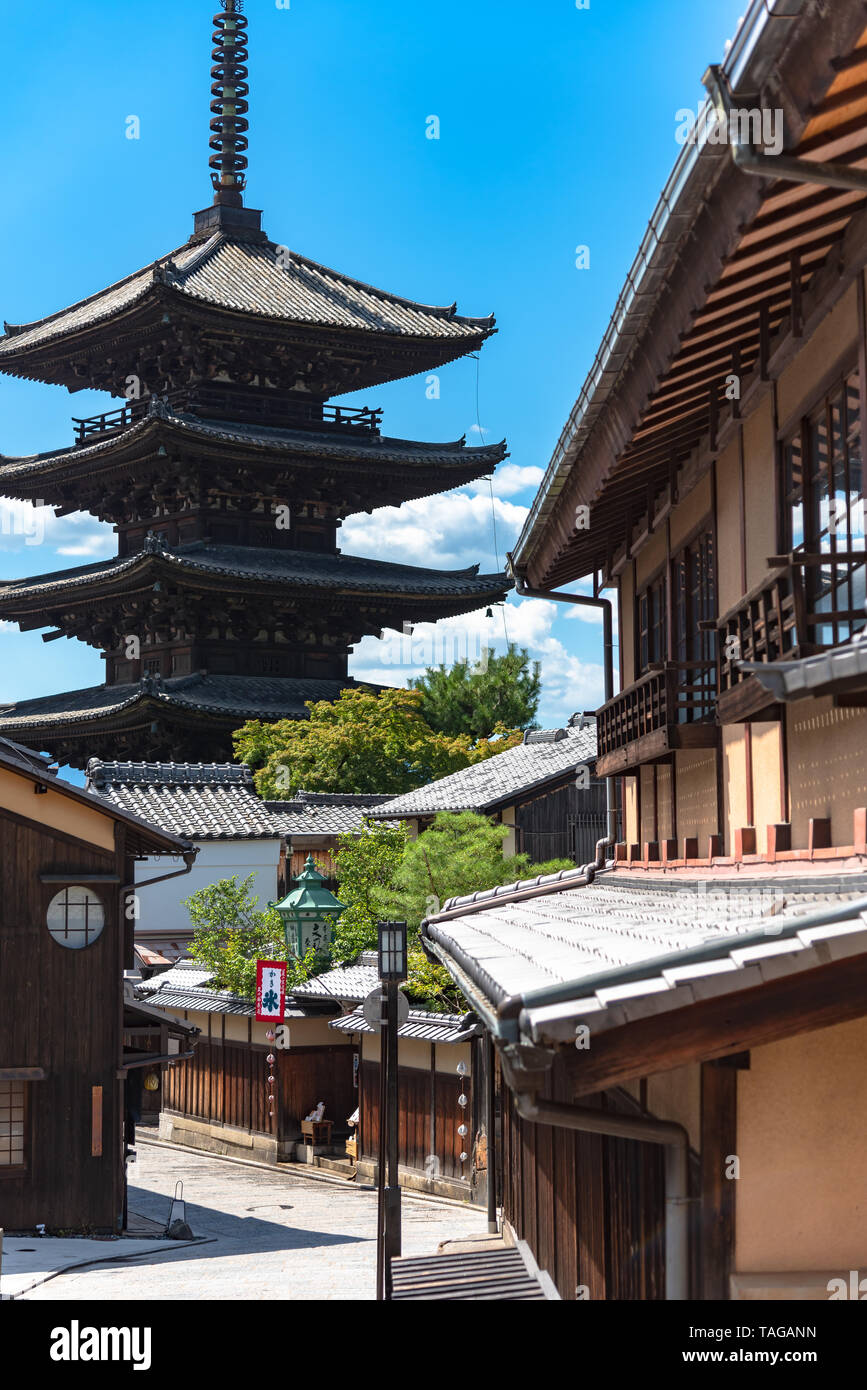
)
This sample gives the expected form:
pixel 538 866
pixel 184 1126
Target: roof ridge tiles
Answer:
pixel 438 310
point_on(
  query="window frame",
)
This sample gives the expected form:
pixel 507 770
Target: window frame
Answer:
pixel 67 889
pixel 15 1170
pixel 842 393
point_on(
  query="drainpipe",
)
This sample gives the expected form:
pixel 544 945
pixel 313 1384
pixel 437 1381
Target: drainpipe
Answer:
pixel 189 859
pixel 585 601
pixel 675 1140
pixel 525 1069
pixel 777 166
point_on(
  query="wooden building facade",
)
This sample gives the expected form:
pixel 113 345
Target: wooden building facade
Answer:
pixel 70 1040
pixel 699 991
pixel 222 1104
pixel 436 1101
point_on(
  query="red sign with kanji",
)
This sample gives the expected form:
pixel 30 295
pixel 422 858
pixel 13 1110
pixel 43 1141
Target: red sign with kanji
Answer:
pixel 270 990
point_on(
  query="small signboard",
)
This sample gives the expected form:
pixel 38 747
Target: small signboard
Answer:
pixel 374 1006
pixel 270 990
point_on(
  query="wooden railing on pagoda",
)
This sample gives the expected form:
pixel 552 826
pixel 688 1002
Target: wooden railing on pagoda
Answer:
pixel 340 419
pixel 671 706
pixel 783 618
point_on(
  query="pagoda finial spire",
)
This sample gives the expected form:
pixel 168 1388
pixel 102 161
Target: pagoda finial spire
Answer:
pixel 229 107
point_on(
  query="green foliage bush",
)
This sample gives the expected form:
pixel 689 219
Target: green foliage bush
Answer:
pixel 232 933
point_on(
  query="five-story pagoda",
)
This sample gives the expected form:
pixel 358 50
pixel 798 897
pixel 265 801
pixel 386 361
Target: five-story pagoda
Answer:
pixel 226 475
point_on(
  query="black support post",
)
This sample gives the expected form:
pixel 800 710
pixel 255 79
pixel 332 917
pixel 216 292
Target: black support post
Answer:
pixel 491 1128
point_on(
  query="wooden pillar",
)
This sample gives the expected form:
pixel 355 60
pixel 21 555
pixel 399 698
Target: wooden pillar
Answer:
pixel 718 1151
pixel 432 1121
pixel 748 733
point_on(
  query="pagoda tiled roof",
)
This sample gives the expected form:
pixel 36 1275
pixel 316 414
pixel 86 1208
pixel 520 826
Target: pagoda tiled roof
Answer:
pixel 261 279
pixel 223 697
pixel 293 569
pixel 377 450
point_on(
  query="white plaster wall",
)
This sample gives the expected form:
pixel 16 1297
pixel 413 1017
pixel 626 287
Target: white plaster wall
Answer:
pixel 161 906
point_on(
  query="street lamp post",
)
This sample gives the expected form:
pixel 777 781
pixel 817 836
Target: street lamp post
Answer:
pixel 392 972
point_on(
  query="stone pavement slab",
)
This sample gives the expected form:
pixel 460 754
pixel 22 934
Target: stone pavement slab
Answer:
pixel 271 1233
pixel 29 1261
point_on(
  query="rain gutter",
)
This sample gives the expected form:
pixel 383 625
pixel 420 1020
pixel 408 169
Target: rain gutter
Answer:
pixel 508 1016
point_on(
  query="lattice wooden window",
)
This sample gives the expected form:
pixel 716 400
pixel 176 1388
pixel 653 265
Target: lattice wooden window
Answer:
pixel 75 917
pixel 824 512
pixel 13 1123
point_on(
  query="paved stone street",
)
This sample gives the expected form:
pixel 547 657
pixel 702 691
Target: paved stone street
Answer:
pixel 274 1235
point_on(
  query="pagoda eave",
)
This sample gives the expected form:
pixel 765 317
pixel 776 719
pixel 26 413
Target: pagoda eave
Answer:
pixel 200 712
pixel 342 469
pixel 162 331
pixel 265 573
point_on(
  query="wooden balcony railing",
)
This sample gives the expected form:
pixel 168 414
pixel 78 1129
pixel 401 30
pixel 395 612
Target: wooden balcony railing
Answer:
pixel 790 614
pixel 671 706
pixel 340 419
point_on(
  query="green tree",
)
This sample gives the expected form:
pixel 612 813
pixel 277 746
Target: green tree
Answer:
pixel 361 742
pixel 465 700
pixel 365 863
pixel 459 854
pixel 382 873
pixel 232 933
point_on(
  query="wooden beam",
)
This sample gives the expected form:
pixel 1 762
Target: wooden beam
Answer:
pixel 22 1074
pixel 729 1023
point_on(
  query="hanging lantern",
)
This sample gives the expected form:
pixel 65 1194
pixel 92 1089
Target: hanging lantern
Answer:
pixel 152 1081
pixel 309 912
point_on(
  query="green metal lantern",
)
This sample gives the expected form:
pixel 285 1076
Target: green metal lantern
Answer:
pixel 309 912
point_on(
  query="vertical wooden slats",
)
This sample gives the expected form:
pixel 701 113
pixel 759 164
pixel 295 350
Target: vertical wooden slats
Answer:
pixel 590 1207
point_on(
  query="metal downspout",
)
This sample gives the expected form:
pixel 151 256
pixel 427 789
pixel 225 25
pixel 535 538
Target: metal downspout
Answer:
pixel 777 166
pixel 586 601
pixel 675 1140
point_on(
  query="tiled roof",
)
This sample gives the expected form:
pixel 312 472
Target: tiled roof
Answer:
pixel 252 277
pixel 320 813
pixel 244 697
pixel 214 1001
pixel 428 1027
pixel 352 448
pixel 351 983
pixel 205 801
pixel 304 569
pixel 812 675
pixel 500 778
pixel 186 974
pixel 626 948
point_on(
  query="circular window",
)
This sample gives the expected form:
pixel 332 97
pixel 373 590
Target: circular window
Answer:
pixel 75 917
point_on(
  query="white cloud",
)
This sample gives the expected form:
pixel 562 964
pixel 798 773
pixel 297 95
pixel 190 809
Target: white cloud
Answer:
pixel 450 531
pixel 24 527
pixel 509 479
pixel 569 684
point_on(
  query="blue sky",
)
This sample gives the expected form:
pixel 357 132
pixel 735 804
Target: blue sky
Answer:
pixel 557 129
